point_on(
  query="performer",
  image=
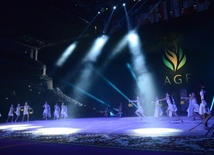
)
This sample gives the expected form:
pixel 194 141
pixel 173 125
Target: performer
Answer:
pixel 203 108
pixel 172 108
pixel 26 111
pixel 158 110
pixel 193 109
pixel 119 113
pixel 56 111
pixel 139 110
pixel 10 113
pixel 64 113
pixel 106 112
pixel 47 111
pixel 18 108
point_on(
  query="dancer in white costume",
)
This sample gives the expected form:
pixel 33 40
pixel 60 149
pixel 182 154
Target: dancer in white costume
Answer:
pixel 56 111
pixel 139 111
pixel 26 111
pixel 172 108
pixel 18 111
pixel 106 112
pixel 46 111
pixel 64 113
pixel 190 107
pixel 119 113
pixel 204 109
pixel 10 113
pixel 158 110
pixel 193 109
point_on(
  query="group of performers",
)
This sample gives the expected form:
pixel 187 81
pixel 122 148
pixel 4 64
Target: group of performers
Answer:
pixel 58 113
pixel 194 109
pixel 119 111
pixel 26 111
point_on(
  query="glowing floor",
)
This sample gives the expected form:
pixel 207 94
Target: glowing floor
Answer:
pixel 113 125
pixel 117 134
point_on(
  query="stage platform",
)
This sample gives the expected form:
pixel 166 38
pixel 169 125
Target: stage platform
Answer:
pixel 130 133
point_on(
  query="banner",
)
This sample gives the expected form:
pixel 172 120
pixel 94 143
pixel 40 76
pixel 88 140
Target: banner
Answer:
pixel 163 11
pixel 154 13
pixel 202 5
pixel 188 7
pixel 143 17
pixel 176 8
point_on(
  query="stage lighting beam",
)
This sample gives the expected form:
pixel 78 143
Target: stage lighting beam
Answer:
pixel 113 86
pixel 127 18
pixel 107 24
pixel 69 50
pixel 89 25
pixel 212 104
pixel 96 48
pixel 140 71
pixel 86 93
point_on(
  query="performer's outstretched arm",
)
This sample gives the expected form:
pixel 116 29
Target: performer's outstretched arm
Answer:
pixel 162 99
pixel 133 100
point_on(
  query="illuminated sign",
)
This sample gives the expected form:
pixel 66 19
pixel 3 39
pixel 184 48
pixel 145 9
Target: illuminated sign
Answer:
pixel 174 59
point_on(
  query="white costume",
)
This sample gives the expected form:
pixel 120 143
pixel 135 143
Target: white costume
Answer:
pixel 193 109
pixel 139 110
pixel 47 111
pixel 10 113
pixel 170 108
pixel 119 113
pixel 106 112
pixel 18 110
pixel 190 108
pixel 26 110
pixel 195 105
pixel 64 113
pixel 203 105
pixel 56 111
pixel 158 111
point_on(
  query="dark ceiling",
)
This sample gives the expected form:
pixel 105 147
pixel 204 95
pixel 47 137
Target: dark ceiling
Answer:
pixel 44 23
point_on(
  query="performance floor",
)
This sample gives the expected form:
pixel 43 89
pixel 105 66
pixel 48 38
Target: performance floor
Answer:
pixel 94 135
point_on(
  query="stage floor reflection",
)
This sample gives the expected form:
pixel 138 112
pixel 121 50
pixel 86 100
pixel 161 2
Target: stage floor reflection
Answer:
pixel 114 125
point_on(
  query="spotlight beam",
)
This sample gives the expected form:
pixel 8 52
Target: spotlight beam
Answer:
pixel 88 26
pixel 105 28
pixel 127 19
pixel 134 76
pixel 212 104
pixel 127 12
pixel 131 70
pixel 141 5
pixel 113 86
pixel 66 54
pixel 96 49
pixel 143 76
pixel 86 93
